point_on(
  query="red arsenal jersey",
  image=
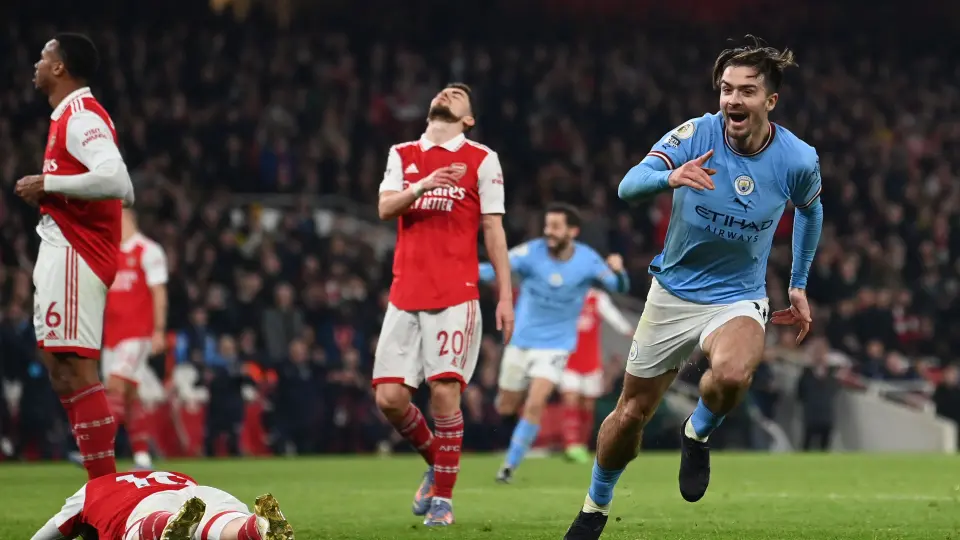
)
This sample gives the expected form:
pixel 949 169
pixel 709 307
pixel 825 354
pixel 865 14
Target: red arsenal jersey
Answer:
pixel 81 137
pixel 597 307
pixel 435 263
pixel 106 502
pixel 141 264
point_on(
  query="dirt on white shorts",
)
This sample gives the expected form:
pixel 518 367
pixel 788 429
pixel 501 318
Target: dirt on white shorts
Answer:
pixel 222 508
pixel 68 303
pixel 520 366
pixel 428 345
pixel 671 328
pixel 127 360
pixel 589 385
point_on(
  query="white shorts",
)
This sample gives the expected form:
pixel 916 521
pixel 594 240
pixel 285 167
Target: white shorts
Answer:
pixel 222 508
pixel 671 328
pixel 520 366
pixel 431 345
pixel 589 385
pixel 127 360
pixel 68 303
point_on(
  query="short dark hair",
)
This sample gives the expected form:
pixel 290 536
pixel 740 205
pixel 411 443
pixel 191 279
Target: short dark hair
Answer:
pixel 570 212
pixel 768 61
pixel 79 55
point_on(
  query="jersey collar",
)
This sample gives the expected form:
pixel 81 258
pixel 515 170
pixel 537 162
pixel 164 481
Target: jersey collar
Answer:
pixel 62 107
pixel 769 141
pixel 452 145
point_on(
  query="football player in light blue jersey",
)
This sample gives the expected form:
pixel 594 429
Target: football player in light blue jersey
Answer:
pixel 556 272
pixel 732 175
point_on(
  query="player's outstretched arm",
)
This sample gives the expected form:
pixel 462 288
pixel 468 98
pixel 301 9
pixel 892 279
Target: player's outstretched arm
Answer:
pixel 612 275
pixel 519 264
pixel 91 142
pixel 49 531
pixel 65 525
pixel 651 176
pixel 645 179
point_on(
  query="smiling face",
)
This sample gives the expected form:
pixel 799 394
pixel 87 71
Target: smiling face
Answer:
pixel 452 104
pixel 558 232
pixel 745 101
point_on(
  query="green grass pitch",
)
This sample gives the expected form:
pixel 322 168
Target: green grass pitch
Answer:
pixel 752 496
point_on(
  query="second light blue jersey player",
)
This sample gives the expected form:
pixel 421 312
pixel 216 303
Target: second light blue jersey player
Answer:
pixel 718 240
pixel 552 292
pixel 555 272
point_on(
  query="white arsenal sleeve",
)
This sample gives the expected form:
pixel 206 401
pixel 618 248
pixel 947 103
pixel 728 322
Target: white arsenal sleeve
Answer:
pixel 393 174
pixel 89 140
pixel 154 263
pixel 490 184
pixel 65 522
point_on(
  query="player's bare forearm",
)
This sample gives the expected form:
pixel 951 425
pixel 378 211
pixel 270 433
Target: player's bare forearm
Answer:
pixel 394 203
pixel 159 294
pixel 495 240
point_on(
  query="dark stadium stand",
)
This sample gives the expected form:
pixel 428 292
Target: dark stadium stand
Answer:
pixel 256 155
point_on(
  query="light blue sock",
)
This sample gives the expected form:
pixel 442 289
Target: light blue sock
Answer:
pixel 601 484
pixel 521 441
pixel 704 421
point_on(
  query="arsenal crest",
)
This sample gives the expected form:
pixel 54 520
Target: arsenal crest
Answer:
pixel 459 169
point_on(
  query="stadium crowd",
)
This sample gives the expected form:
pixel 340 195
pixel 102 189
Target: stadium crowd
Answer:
pixel 297 116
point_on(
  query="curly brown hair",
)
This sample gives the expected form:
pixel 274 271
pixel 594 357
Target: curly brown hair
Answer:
pixel 767 61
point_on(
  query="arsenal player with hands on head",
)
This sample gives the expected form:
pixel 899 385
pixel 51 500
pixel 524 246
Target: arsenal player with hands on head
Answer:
pixel 80 193
pixel 162 505
pixel 136 318
pixel 441 189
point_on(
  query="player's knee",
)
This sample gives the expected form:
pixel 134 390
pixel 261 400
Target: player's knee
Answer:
pixel 506 407
pixel 392 399
pixel 589 405
pixel 60 381
pixel 533 410
pixel 131 392
pixel 635 411
pixel 445 397
pixel 731 373
pixel 508 402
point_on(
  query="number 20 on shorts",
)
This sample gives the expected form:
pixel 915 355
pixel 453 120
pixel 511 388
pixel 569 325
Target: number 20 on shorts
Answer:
pixel 452 342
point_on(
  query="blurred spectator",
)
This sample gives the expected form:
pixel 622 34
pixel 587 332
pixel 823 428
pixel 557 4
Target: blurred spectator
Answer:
pixel 225 380
pixel 817 391
pixel 947 395
pixel 297 403
pixel 281 323
pixel 763 390
pixel 302 118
